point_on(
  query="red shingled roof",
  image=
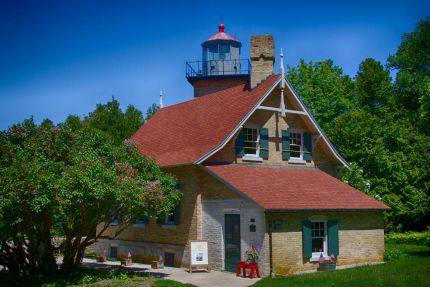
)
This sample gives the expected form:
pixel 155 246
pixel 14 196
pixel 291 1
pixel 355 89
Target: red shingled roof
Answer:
pixel 283 188
pixel 182 133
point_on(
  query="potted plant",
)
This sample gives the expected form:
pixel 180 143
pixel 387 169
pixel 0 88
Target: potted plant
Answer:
pixel 329 264
pixel 157 264
pixel 127 261
pixel 101 257
pixel 322 266
pixel 252 255
pixel 332 262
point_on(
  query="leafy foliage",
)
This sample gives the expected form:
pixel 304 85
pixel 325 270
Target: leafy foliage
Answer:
pixel 324 89
pixel 111 119
pixel 373 84
pixel 151 111
pixel 416 238
pixel 71 177
pixel 379 126
pixel 412 60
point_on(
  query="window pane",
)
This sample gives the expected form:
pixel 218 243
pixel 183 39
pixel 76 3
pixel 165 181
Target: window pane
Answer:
pixel 250 143
pixel 317 244
pixel 295 144
pixel 171 217
pixel 295 151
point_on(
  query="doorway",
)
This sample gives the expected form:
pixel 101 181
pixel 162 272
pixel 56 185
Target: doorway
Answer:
pixel 232 242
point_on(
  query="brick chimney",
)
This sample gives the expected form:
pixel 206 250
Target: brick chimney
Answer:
pixel 262 58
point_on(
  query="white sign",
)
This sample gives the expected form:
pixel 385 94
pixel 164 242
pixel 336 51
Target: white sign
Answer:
pixel 199 253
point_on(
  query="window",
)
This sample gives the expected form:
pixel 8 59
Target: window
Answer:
pixel 113 252
pixel 171 218
pixel 250 141
pixel 319 238
pixel 296 145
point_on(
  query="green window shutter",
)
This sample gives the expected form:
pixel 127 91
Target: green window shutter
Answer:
pixel 240 151
pixel 177 213
pixel 264 143
pixel 307 146
pixel 333 237
pixel 286 144
pixel 307 239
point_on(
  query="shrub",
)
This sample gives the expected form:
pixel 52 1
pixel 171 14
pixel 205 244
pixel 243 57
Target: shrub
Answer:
pixel 393 254
pixel 417 238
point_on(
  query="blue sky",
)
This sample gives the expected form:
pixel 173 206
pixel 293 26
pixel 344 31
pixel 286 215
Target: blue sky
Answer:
pixel 63 57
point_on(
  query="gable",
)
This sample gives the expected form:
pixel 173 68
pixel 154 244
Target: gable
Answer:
pixel 194 131
pixel 297 118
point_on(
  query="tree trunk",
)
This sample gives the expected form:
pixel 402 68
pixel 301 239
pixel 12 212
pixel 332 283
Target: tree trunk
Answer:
pixel 48 265
pixel 70 253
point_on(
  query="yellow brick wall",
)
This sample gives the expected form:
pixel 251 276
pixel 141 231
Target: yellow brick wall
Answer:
pixel 196 185
pixel 322 157
pixel 361 240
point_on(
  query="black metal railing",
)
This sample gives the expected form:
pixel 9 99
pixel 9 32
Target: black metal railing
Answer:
pixel 218 68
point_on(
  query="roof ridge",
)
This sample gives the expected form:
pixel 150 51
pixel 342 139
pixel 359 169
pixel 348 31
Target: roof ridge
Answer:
pixel 220 92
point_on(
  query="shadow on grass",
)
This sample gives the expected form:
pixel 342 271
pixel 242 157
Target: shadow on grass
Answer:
pixel 425 253
pixel 88 273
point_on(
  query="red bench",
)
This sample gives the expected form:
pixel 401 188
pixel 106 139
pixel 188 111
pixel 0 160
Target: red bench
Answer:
pixel 242 266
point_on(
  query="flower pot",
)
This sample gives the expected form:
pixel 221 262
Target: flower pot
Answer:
pixel 101 258
pixel 323 266
pixel 157 264
pixel 126 262
pixel 327 266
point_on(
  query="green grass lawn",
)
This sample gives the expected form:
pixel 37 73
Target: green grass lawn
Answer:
pixel 409 265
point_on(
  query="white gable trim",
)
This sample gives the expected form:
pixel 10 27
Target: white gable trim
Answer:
pixel 314 122
pixel 258 105
pixel 240 125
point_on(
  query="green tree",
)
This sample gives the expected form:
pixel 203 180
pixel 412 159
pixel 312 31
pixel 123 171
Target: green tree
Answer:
pixel 151 111
pixel 111 119
pixel 325 90
pixel 412 62
pixel 71 178
pixel 395 162
pixel 372 84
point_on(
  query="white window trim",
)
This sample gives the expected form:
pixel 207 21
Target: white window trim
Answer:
pixel 316 255
pixel 297 159
pixel 251 156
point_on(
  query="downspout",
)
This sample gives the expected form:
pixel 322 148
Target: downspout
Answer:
pixel 270 245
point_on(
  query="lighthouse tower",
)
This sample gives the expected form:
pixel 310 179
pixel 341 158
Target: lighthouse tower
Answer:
pixel 220 67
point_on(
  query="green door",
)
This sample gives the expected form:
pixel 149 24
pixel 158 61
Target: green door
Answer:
pixel 232 241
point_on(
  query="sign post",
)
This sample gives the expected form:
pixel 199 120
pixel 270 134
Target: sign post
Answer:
pixel 199 255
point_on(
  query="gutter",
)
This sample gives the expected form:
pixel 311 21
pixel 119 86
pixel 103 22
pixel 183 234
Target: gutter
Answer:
pixel 270 245
pixel 326 210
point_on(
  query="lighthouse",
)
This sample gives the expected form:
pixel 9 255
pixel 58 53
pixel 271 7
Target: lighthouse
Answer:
pixel 221 66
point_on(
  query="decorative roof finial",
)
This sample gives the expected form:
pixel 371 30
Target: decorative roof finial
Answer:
pixel 221 27
pixel 282 70
pixel 161 99
pixel 282 107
